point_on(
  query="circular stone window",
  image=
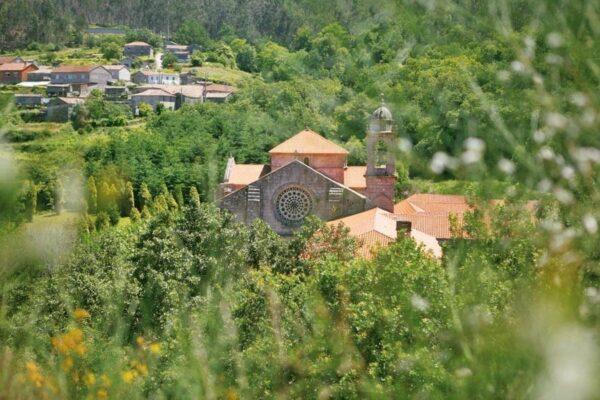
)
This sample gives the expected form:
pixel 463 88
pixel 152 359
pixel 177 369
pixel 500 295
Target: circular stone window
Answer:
pixel 293 205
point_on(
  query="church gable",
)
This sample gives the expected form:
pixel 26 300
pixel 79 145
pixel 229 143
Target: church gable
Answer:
pixel 284 197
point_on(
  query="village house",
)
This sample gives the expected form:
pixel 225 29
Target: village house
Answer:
pixel 11 73
pixel 60 108
pixel 118 72
pixel 28 100
pixel 116 93
pixel 155 78
pixel 182 52
pixel 10 59
pixel 153 97
pixel 42 74
pixel 78 78
pixel 138 49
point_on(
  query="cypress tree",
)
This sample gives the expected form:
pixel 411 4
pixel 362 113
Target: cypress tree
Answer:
pixel 179 196
pixel 194 197
pixel 31 201
pixel 145 195
pixel 92 195
pixel 130 198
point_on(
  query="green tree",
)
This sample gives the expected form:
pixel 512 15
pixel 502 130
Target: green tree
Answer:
pixel 145 195
pixel 194 197
pixel 92 195
pixel 30 200
pixel 112 51
pixel 192 32
pixel 130 199
pixel 169 60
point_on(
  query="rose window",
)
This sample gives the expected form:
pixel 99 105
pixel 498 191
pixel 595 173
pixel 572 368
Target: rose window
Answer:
pixel 293 205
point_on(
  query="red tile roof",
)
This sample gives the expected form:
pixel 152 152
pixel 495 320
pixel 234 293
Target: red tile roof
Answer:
pixel 137 44
pixel 377 228
pixel 308 142
pixel 7 59
pixel 431 213
pixel 14 66
pixel 245 174
pixel 74 68
pixel 354 177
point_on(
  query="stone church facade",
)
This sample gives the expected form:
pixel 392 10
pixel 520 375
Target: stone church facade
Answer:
pixel 308 174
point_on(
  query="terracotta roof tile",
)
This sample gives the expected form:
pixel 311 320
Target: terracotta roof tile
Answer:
pixel 14 66
pixel 435 224
pixel 308 142
pixel 74 68
pixel 377 227
pixel 137 44
pixel 354 177
pixel 154 92
pixel 245 174
pixel 7 59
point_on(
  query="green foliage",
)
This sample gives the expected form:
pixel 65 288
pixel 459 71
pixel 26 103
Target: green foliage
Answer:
pixel 92 195
pixel 191 32
pixel 169 60
pixel 197 58
pixel 112 51
pixel 222 54
pixel 145 110
pixel 143 35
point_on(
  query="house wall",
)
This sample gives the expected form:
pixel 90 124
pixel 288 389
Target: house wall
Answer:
pixel 59 112
pixel 100 76
pixel 331 165
pixel 327 204
pixel 138 51
pixel 154 101
pixel 70 77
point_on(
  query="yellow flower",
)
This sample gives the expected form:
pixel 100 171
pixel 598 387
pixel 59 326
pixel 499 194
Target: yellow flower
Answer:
pixel 67 364
pixel 129 376
pixel 231 395
pixel 155 348
pixel 33 374
pixel 141 368
pixel 72 341
pixel 140 341
pixel 90 379
pixel 80 314
pixel 102 394
pixel 105 380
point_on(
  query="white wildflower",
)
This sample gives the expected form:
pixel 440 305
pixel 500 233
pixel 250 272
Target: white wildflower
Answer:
pixel 554 39
pixel 579 99
pixel 405 145
pixel 556 120
pixel 440 162
pixel 590 224
pixel 517 66
pixel 568 172
pixel 419 303
pixel 563 195
pixel 506 166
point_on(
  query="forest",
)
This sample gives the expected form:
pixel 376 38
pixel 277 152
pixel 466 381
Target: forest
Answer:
pixel 120 278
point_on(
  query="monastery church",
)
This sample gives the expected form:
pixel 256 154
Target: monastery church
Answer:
pixel 308 174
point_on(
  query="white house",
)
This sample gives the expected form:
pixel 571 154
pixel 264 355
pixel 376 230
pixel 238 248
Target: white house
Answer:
pixel 119 72
pixel 156 78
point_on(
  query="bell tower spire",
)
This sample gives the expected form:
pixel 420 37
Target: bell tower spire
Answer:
pixel 381 159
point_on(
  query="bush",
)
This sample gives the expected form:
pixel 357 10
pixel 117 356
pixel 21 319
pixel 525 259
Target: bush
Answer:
pixel 102 220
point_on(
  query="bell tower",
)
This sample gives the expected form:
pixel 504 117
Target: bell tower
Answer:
pixel 381 159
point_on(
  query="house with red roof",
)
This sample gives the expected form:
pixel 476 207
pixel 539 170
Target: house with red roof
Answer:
pixel 15 72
